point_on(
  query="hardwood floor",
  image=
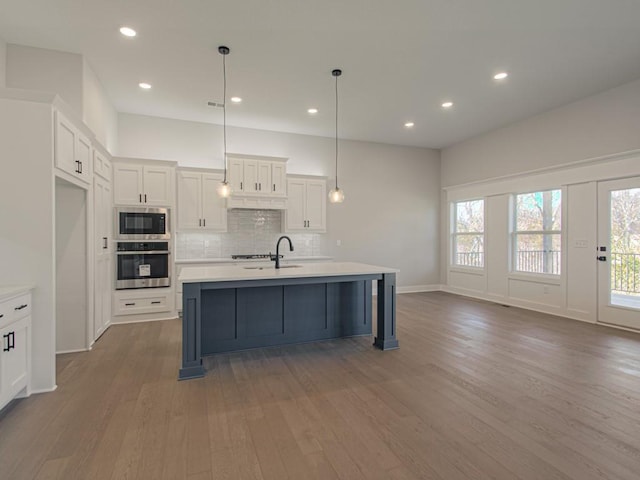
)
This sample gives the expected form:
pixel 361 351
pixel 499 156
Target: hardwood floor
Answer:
pixel 476 391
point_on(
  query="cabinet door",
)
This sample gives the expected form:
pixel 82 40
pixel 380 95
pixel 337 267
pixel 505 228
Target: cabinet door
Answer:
pixel 250 176
pixel 157 186
pixel 214 208
pixel 316 205
pixel 65 145
pixel 279 178
pixel 14 363
pixel 189 200
pixel 295 219
pixel 264 178
pixel 83 154
pixel 101 165
pixel 236 175
pixel 127 184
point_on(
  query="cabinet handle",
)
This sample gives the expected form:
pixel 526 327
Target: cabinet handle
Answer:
pixel 199 222
pixel 204 222
pixel 240 185
pixel 21 307
pixel 274 187
pixel 1 315
pixel 145 198
pixel 11 341
pixel 140 198
pixel 129 304
pixel 256 186
pixel 80 167
pixel 157 302
pixel 260 186
pixel 104 244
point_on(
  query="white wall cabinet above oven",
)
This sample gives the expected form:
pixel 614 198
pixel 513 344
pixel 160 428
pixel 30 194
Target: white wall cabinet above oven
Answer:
pixel 257 182
pixel 143 184
pixel 199 206
pixel 73 152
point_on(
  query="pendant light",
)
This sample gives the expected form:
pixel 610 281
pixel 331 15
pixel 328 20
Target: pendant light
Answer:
pixel 224 189
pixel 336 195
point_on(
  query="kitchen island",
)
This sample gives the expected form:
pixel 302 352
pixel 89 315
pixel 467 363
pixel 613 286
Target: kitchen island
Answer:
pixel 239 307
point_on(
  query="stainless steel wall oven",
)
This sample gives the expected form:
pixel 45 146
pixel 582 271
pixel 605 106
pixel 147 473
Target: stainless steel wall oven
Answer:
pixel 142 265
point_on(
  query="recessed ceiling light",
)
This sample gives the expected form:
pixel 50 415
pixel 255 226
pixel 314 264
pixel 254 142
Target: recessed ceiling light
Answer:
pixel 127 31
pixel 236 99
pixel 447 105
pixel 312 111
pixel 500 76
pixel 409 124
pixel 144 85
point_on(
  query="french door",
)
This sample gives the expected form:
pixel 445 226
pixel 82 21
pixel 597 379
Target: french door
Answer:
pixel 619 252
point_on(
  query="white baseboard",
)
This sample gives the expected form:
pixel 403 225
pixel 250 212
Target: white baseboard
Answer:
pixel 44 390
pixel 419 288
pixel 144 320
pixel 77 350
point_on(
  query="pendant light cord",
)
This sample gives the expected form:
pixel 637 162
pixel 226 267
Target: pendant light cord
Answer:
pixel 224 113
pixel 336 132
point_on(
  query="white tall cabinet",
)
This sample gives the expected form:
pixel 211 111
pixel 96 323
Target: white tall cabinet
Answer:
pixel 103 243
pixel 306 204
pixel 199 206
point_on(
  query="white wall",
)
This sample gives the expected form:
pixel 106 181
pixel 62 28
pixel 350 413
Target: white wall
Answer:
pixel 398 230
pixel 98 113
pixel 3 63
pixel 27 221
pixel 603 124
pixel 44 70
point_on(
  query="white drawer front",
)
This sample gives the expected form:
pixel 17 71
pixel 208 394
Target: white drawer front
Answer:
pixel 151 304
pixel 20 307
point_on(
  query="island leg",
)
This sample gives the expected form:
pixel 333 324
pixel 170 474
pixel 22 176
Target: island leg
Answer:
pixel 191 333
pixel 386 335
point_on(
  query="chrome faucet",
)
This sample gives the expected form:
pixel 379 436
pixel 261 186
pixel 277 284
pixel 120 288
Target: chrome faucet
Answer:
pixel 277 257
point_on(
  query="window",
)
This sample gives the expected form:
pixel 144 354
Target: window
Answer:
pixel 538 232
pixel 468 233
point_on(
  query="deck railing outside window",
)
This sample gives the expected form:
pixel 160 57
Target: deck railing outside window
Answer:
pixel 625 272
pixel 470 259
pixel 539 261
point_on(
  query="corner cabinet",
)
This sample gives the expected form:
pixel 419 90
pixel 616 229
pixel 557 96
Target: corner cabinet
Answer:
pixel 15 334
pixel 143 184
pixel 257 182
pixel 306 205
pixel 72 150
pixel 199 206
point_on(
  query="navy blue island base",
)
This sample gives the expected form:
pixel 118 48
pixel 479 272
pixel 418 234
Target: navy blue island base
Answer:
pixel 224 316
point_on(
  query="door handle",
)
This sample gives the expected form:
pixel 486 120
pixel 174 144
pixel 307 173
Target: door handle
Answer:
pixel 602 259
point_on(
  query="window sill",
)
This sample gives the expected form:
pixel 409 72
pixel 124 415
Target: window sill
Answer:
pixel 536 278
pixel 468 270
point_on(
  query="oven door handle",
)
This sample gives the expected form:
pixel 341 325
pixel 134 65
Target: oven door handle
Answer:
pixel 144 252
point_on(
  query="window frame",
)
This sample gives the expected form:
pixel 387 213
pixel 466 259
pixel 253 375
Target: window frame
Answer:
pixel 454 234
pixel 513 244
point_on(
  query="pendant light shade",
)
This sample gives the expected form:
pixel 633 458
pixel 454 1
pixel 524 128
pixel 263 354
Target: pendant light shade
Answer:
pixel 336 195
pixel 224 189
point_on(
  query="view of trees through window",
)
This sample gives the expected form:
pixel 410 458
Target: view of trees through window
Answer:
pixel 468 234
pixel 538 232
pixel 625 241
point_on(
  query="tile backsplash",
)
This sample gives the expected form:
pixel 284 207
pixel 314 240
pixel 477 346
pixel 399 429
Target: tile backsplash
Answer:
pixel 249 231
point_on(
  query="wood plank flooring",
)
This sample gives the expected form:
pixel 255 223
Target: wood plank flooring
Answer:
pixel 476 391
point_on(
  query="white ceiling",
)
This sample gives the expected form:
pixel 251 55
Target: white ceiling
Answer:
pixel 400 59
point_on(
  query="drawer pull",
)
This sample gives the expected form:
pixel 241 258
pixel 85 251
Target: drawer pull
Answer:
pixel 129 304
pixel 21 307
pixel 11 341
pixel 1 315
pixel 156 302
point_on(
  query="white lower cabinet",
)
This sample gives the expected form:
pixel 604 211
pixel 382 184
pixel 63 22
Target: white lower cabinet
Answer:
pixel 143 301
pixel 15 334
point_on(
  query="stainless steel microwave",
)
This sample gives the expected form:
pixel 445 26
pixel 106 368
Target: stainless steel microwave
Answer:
pixel 142 223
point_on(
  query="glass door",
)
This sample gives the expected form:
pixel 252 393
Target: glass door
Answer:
pixel 619 252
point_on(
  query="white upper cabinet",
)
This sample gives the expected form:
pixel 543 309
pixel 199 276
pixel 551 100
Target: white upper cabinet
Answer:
pixel 257 182
pixel 306 205
pixel 73 151
pixel 199 206
pixel 102 164
pixel 149 185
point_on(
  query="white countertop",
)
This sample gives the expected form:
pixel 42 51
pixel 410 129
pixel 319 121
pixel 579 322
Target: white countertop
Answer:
pixel 223 260
pixel 9 291
pixel 240 272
